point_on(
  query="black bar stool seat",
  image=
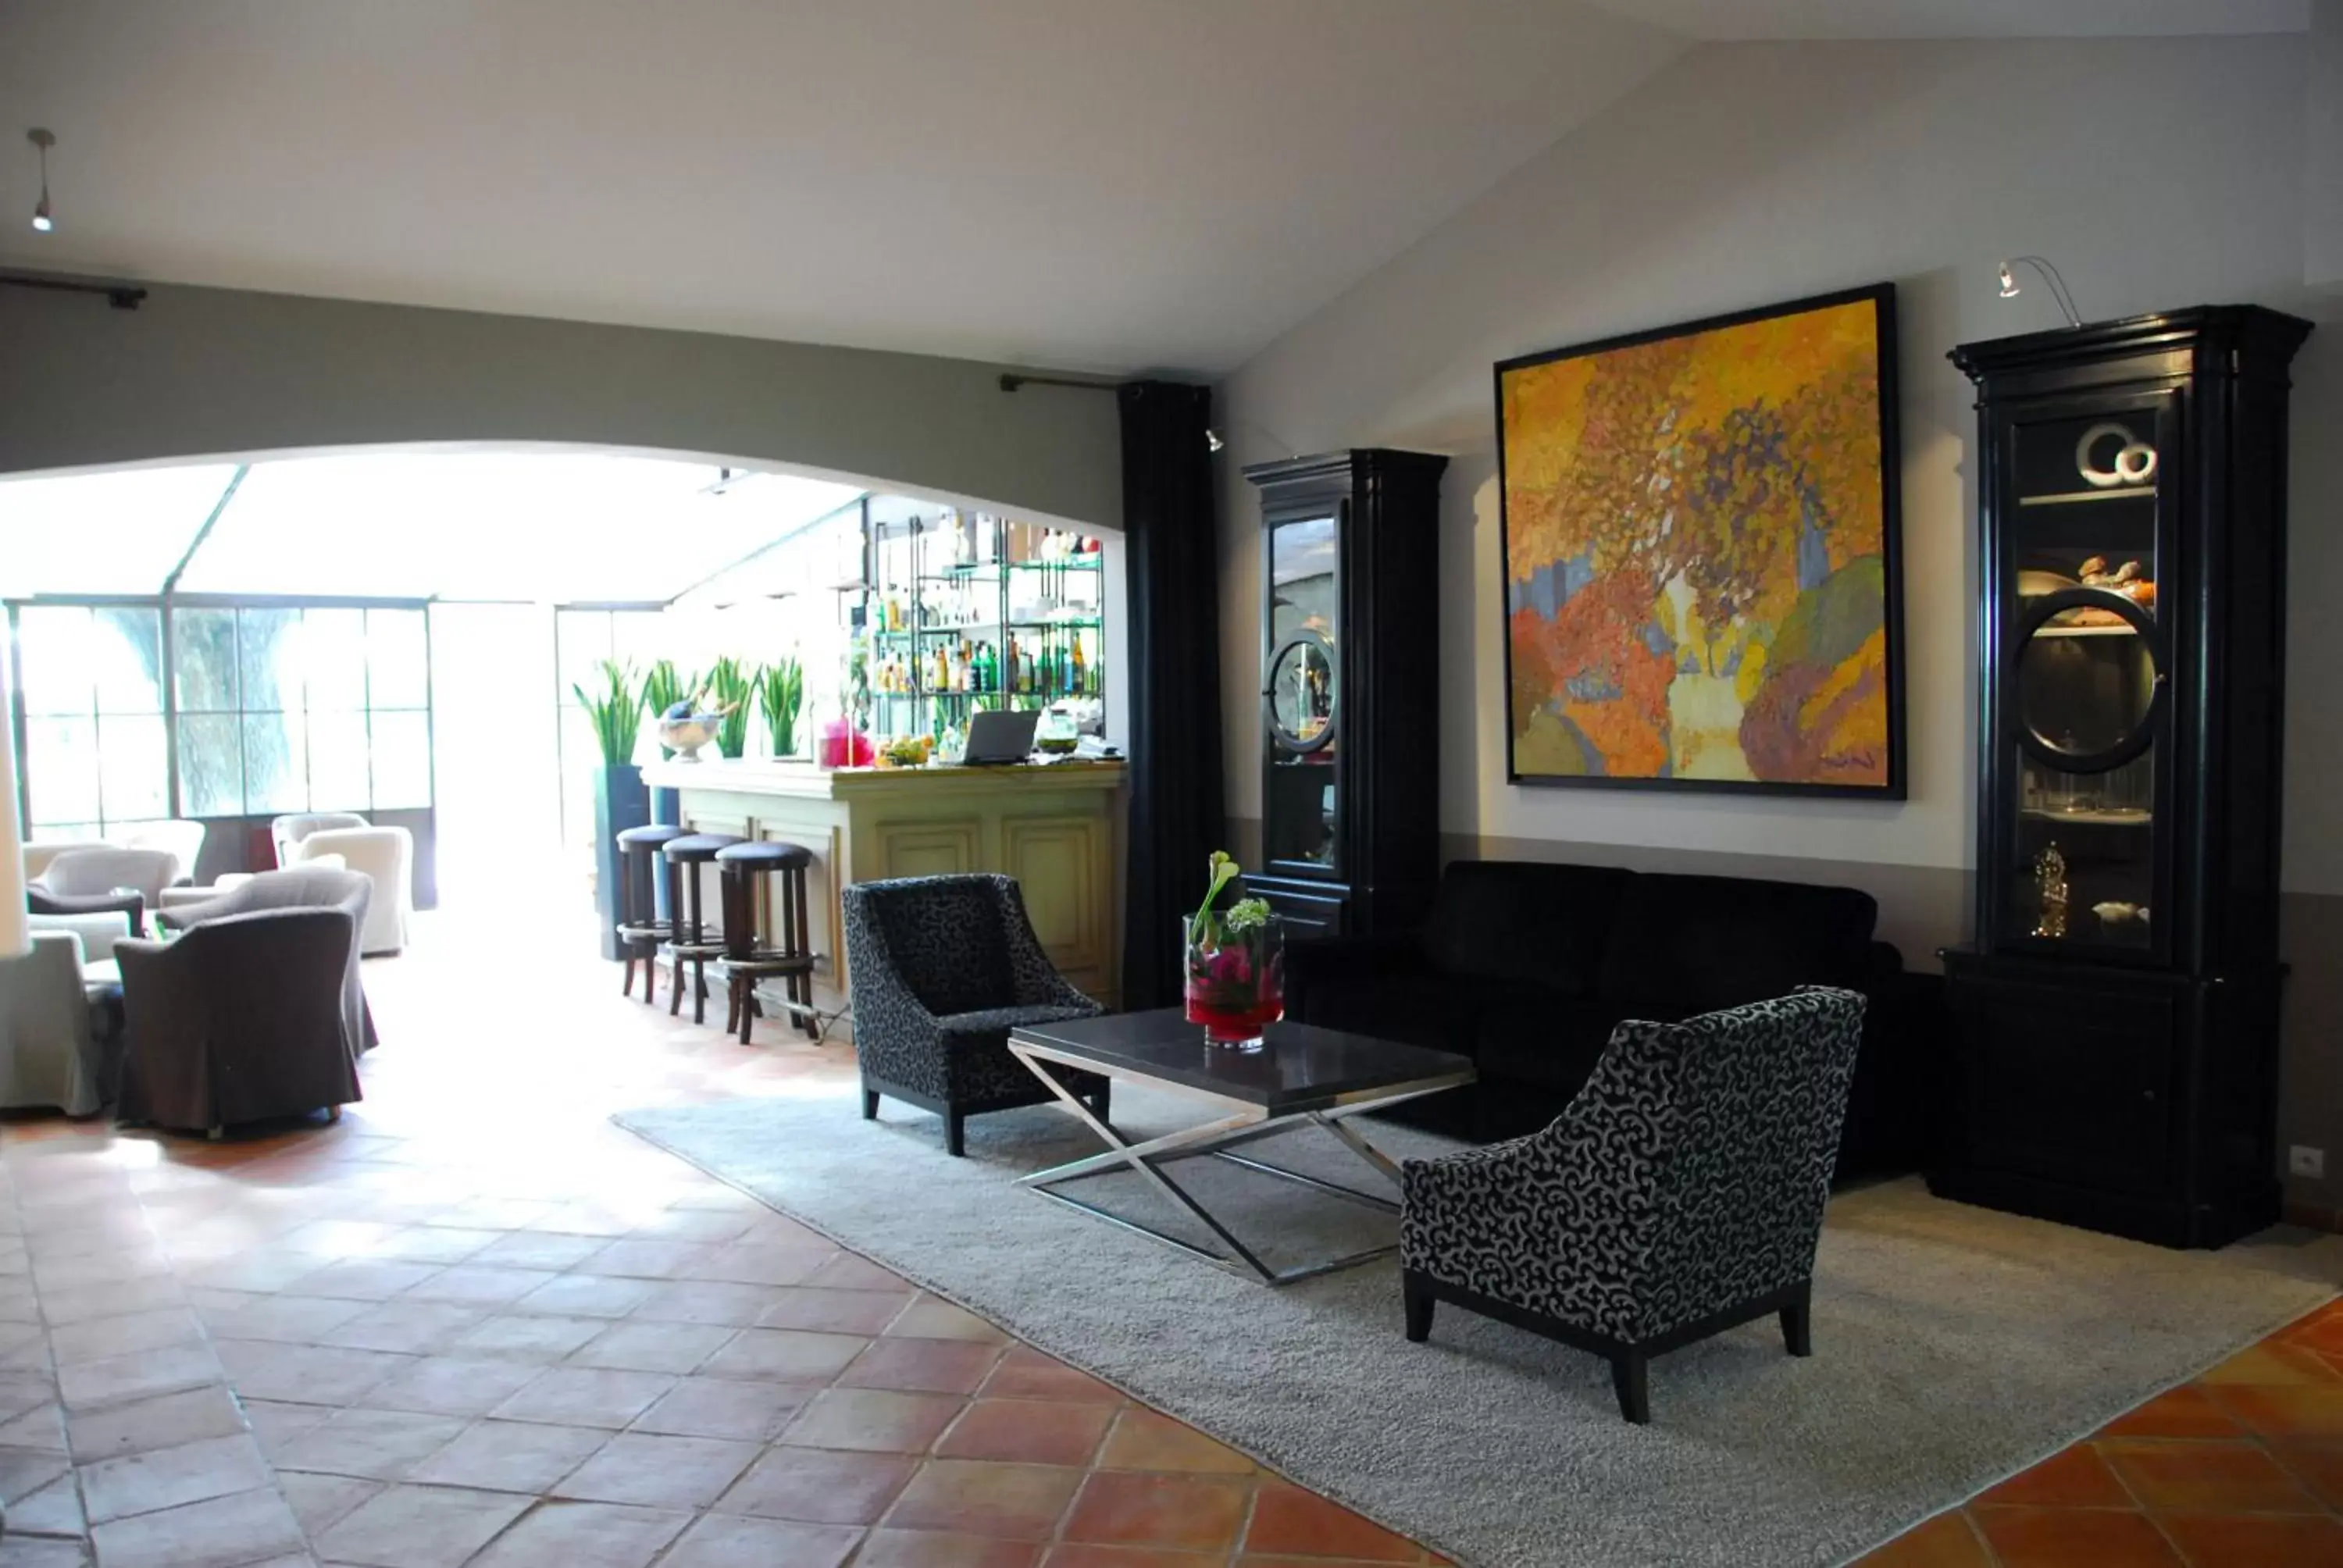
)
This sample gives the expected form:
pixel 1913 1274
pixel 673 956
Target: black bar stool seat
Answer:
pixel 789 957
pixel 641 928
pixel 689 941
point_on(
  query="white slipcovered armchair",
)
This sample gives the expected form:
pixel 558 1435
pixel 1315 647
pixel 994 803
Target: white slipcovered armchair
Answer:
pixel 40 853
pixel 49 1052
pixel 84 873
pixel 288 831
pixel 181 836
pixel 386 855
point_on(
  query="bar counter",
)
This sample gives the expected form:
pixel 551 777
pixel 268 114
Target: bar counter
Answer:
pixel 1057 828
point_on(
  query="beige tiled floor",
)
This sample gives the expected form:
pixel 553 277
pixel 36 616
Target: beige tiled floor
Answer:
pixel 475 1324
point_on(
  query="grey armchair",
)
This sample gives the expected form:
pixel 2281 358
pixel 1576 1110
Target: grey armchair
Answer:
pixel 240 1020
pixel 304 887
pixel 50 1055
pixel 78 874
pixel 1679 1195
pixel 939 971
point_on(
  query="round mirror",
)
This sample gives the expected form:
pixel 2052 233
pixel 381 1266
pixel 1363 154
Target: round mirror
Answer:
pixel 2084 693
pixel 1301 693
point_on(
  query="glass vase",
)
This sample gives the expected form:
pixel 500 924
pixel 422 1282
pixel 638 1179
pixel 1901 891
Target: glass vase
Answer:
pixel 1235 979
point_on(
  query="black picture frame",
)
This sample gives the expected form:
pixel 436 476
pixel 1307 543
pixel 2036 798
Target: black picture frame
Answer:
pixel 1882 298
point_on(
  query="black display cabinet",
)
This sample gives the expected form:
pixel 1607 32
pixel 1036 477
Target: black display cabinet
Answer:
pixel 1350 702
pixel 2115 1025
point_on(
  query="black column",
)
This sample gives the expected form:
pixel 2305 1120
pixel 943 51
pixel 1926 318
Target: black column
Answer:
pixel 1174 570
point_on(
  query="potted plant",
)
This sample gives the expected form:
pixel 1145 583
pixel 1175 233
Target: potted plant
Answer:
pixel 729 688
pixel 1234 964
pixel 781 693
pixel 664 688
pixel 615 709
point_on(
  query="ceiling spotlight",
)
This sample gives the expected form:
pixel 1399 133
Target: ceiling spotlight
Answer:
pixel 43 140
pixel 2058 292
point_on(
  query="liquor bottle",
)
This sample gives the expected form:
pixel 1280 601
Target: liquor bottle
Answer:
pixel 1078 682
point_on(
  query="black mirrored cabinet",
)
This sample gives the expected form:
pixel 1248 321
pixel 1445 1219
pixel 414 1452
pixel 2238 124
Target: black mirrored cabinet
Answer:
pixel 2114 1039
pixel 1350 697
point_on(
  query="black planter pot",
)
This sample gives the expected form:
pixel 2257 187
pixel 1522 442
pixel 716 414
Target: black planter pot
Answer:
pixel 621 801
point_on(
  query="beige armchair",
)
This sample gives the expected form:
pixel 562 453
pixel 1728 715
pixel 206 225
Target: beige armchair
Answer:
pixel 386 855
pixel 39 853
pixel 179 836
pixel 288 831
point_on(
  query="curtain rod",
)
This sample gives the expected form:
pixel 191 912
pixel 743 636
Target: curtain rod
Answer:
pixel 120 296
pixel 1010 382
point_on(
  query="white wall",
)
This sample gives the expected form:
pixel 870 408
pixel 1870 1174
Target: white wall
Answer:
pixel 2157 173
pixel 196 372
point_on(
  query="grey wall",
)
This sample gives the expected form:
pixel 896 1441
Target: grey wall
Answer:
pixel 2157 173
pixel 196 371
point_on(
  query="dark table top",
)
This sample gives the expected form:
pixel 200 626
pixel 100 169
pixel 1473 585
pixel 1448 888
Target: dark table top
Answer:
pixel 1298 1068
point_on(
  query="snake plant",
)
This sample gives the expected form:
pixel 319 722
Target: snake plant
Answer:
pixel 728 690
pixel 780 692
pixel 663 687
pixel 616 711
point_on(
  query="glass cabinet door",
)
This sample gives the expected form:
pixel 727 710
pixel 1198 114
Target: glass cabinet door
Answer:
pixel 1301 695
pixel 2085 698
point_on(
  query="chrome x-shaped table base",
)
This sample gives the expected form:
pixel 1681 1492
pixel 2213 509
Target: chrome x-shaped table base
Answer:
pixel 1216 1139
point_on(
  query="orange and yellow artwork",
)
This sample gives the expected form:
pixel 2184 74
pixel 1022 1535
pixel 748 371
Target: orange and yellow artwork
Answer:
pixel 1700 561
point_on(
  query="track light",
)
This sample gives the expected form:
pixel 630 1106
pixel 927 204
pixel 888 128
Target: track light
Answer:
pixel 43 140
pixel 2058 292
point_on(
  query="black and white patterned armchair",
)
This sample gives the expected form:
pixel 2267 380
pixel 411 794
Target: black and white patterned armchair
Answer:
pixel 940 970
pixel 1679 1195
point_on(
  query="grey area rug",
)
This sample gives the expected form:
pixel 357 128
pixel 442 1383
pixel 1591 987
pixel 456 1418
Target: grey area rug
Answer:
pixel 1951 1345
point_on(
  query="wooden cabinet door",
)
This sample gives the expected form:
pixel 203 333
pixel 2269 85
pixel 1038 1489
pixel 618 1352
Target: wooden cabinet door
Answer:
pixel 2070 1083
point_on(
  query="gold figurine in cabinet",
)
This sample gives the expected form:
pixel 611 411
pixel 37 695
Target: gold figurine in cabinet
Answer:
pixel 2050 882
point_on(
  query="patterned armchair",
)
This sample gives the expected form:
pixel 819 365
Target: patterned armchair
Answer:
pixel 1679 1195
pixel 940 970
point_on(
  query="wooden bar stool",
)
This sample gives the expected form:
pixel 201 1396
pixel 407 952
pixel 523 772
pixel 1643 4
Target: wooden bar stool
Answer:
pixel 746 960
pixel 690 941
pixel 641 928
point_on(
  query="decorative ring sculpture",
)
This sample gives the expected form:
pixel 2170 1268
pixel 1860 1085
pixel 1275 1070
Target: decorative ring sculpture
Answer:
pixel 2134 460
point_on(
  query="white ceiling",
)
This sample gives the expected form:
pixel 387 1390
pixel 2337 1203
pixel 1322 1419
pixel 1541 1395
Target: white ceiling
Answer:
pixel 1115 185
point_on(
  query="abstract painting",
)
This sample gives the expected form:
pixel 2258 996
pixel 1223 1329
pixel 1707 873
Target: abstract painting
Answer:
pixel 1699 539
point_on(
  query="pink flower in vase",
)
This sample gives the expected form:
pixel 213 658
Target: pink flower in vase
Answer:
pixel 1232 965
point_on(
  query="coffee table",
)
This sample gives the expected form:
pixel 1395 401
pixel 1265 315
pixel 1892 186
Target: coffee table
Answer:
pixel 1300 1076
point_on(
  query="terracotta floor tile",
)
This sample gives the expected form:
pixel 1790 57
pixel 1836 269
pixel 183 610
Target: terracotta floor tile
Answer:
pixel 728 1540
pixel 2318 1466
pixel 1947 1541
pixel 167 1477
pixel 1194 1514
pixel 818 1486
pixel 2282 1410
pixel 1026 1373
pixel 2074 1538
pixel 451 1385
pixel 707 1302
pixel 2273 1362
pixel 983 1497
pixel 923 1366
pixel 1288 1520
pixel 878 1420
pixel 374 1444
pixel 2263 1540
pixel 585 1535
pixel 724 1407
pixel 2073 1478
pixel 1038 1432
pixel 1143 1439
pixel 419 1527
pixel 942 1548
pixel 245 1528
pixel 861 1312
pixel 785 1355
pixel 1090 1554
pixel 785 1264
pixel 933 1318
pixel 2185 1474
pixel 2184 1412
pixel 585 1396
pixel 510 1456
pixel 660 1471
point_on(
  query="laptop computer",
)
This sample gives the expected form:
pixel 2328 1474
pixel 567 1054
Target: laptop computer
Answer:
pixel 997 740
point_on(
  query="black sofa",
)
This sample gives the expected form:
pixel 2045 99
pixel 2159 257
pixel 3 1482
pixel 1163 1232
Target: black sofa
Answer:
pixel 1527 966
